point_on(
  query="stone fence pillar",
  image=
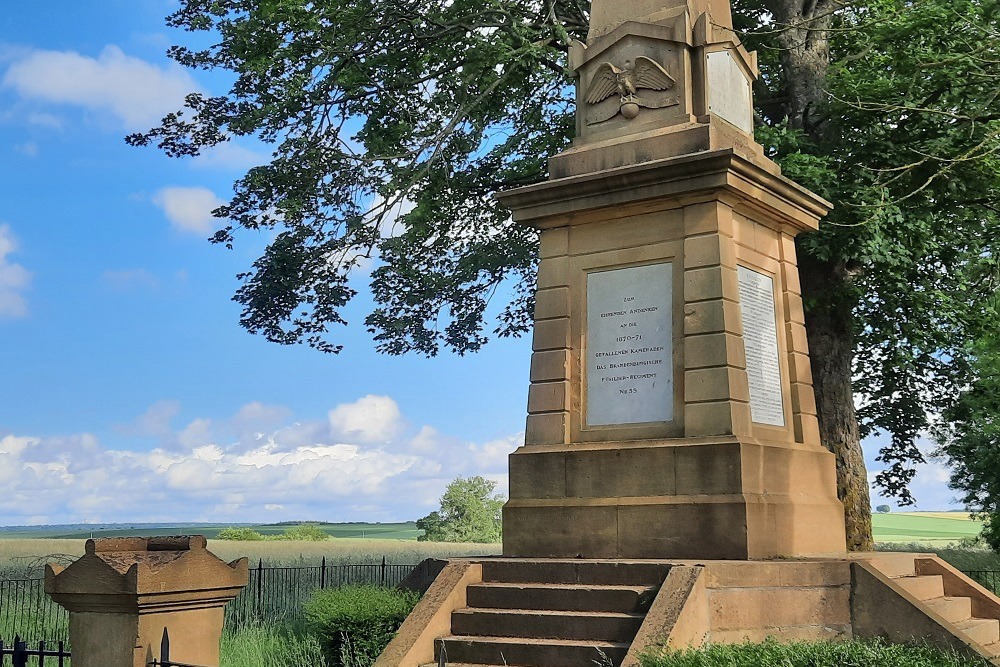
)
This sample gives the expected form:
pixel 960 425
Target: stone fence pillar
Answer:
pixel 125 592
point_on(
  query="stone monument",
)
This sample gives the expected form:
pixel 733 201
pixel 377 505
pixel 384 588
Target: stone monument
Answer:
pixel 672 489
pixel 671 410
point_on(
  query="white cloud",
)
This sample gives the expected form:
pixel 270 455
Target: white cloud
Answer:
pixel 28 149
pixel 135 92
pixel 189 209
pixel 45 120
pixel 929 485
pixel 230 155
pixel 369 419
pixel 128 279
pixel 257 416
pixel 74 478
pixel 14 278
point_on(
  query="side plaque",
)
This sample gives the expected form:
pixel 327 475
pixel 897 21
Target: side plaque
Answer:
pixel 630 376
pixel 760 340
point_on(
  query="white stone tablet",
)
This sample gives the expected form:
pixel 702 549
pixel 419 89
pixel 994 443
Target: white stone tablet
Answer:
pixel 760 340
pixel 630 376
pixel 729 91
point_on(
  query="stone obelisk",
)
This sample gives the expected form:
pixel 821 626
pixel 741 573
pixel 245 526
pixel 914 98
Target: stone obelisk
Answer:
pixel 671 410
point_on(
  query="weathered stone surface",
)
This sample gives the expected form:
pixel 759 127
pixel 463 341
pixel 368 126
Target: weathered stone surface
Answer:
pixel 125 593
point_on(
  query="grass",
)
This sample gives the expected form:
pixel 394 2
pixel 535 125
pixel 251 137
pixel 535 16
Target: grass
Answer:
pixel 770 653
pixel 929 528
pixel 271 646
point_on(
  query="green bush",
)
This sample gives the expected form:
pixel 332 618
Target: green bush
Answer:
pixel 243 533
pixel 857 653
pixel 309 532
pixel 355 623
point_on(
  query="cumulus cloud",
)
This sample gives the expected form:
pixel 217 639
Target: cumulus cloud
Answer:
pixel 299 470
pixel 155 422
pixel 369 419
pixel 230 155
pixel 133 91
pixel 14 278
pixel 28 149
pixel 189 209
pixel 129 279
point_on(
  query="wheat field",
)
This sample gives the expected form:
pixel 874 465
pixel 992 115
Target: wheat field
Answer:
pixel 24 557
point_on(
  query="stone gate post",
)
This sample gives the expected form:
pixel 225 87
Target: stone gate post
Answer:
pixel 124 592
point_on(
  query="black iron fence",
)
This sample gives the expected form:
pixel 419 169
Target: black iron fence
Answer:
pixel 26 611
pixel 164 659
pixel 272 594
pixel 279 593
pixel 987 578
pixel 20 654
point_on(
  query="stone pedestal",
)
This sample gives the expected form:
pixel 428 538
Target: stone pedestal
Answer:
pixel 124 593
pixel 728 464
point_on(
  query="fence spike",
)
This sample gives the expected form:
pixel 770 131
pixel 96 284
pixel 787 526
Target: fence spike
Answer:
pixel 165 647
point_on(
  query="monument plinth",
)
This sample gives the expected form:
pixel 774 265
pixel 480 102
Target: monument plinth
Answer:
pixel 671 411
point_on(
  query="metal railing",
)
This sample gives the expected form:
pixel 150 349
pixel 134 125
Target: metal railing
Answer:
pixel 20 654
pixel 272 594
pixel 279 593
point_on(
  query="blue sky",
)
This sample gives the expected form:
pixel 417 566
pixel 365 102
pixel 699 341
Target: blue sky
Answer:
pixel 128 391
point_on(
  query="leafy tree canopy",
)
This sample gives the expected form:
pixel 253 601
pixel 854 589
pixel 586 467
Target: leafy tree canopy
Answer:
pixel 393 122
pixel 470 512
pixel 970 439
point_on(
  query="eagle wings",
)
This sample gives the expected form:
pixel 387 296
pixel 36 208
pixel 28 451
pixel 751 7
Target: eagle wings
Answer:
pixel 608 80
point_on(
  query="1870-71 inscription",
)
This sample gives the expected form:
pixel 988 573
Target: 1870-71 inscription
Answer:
pixel 629 345
pixel 760 340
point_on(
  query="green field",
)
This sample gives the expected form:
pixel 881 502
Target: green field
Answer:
pixel 931 528
pixel 394 531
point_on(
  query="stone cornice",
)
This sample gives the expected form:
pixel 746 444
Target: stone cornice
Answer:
pixel 546 205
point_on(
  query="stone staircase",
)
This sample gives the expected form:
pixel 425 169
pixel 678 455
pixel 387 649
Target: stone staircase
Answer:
pixel 931 590
pixel 553 613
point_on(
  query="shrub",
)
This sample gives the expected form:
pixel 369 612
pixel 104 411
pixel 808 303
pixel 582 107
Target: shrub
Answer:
pixel 242 533
pixel 856 653
pixel 883 509
pixel 307 532
pixel 355 623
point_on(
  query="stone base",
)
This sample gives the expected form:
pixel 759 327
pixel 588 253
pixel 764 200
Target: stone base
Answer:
pixel 572 612
pixel 712 498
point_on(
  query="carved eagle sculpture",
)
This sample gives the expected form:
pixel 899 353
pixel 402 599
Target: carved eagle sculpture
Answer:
pixel 645 73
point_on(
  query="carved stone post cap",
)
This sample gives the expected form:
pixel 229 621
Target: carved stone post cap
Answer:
pixel 164 543
pixel 606 15
pixel 141 566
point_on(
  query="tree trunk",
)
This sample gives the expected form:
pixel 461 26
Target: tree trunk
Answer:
pixel 805 58
pixel 831 350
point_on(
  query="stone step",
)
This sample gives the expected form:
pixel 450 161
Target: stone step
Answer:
pixel 895 565
pixel 993 649
pixel 924 587
pixel 954 609
pixel 593 572
pixel 529 652
pixel 535 624
pixel 983 631
pixel 561 597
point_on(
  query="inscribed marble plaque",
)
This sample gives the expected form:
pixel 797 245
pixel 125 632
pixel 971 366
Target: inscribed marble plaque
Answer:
pixel 760 340
pixel 729 91
pixel 630 377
